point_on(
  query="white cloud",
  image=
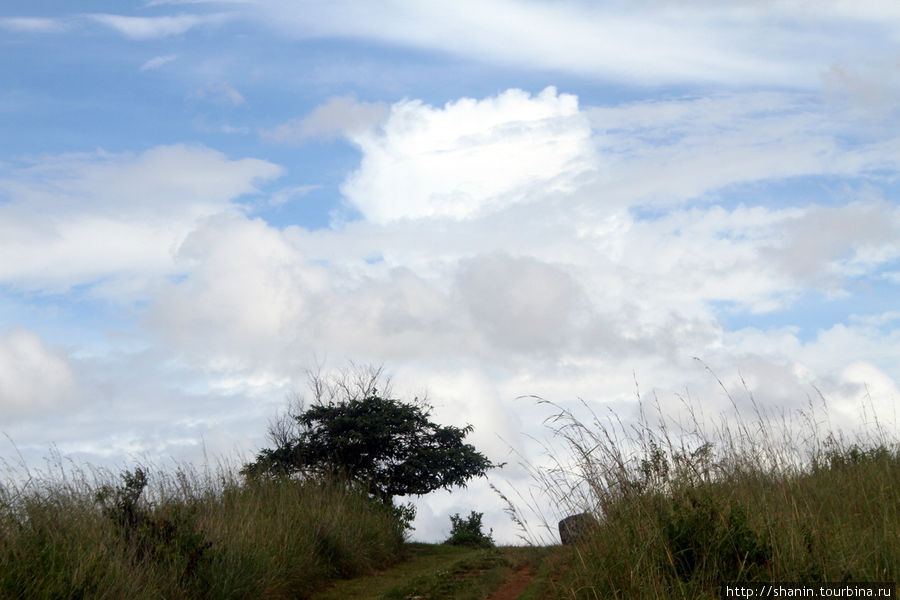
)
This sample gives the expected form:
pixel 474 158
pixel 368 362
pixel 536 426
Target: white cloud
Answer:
pixel 859 236
pixel 251 302
pixel 158 61
pixel 470 157
pixel 219 93
pixel 520 304
pixel 32 24
pixel 871 86
pixel 878 396
pixel 341 115
pixel 33 377
pixel 574 37
pixel 254 298
pixel 290 194
pixel 655 43
pixel 755 257
pixel 851 366
pixel 672 151
pixel 427 163
pixel 76 219
pixel 147 28
pixel 246 297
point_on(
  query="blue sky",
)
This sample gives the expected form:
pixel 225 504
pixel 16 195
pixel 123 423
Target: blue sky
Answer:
pixel 200 201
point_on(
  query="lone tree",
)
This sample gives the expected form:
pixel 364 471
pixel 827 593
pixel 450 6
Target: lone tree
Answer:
pixel 355 432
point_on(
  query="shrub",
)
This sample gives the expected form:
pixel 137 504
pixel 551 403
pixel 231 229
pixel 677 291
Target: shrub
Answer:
pixel 710 539
pixel 467 532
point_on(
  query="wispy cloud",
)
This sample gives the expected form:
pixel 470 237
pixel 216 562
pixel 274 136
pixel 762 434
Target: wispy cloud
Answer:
pixel 32 24
pixel 157 62
pixel 587 39
pixel 164 2
pixel 146 28
pixel 341 115
pixel 290 194
pixel 645 43
pixel 221 93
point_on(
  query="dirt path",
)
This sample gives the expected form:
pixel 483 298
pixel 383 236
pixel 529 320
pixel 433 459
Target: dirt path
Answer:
pixel 515 585
pixel 438 572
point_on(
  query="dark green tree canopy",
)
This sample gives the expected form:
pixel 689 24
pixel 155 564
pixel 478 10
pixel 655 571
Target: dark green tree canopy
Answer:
pixel 389 446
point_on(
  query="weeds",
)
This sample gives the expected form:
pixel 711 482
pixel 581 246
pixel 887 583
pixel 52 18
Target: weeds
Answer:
pixel 167 536
pixel 684 508
pixel 185 535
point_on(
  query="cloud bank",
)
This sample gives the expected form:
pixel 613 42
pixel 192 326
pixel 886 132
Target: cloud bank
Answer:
pixel 75 219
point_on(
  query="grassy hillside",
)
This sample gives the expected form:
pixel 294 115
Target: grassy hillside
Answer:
pixel 680 511
pixel 185 536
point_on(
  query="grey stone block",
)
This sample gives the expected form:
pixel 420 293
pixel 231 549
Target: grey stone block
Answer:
pixel 572 528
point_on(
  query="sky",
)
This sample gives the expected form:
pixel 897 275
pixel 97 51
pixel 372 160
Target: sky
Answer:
pixel 203 201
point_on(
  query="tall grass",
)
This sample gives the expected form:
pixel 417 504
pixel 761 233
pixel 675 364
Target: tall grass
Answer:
pixel 681 509
pixel 80 533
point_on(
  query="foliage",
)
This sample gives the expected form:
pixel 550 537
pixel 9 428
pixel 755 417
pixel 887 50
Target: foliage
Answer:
pixel 405 514
pixel 121 503
pixel 467 532
pixel 710 541
pixel 389 446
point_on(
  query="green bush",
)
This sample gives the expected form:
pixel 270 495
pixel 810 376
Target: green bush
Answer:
pixel 467 532
pixel 710 539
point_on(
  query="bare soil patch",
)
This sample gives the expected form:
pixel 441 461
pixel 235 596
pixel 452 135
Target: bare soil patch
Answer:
pixel 515 585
